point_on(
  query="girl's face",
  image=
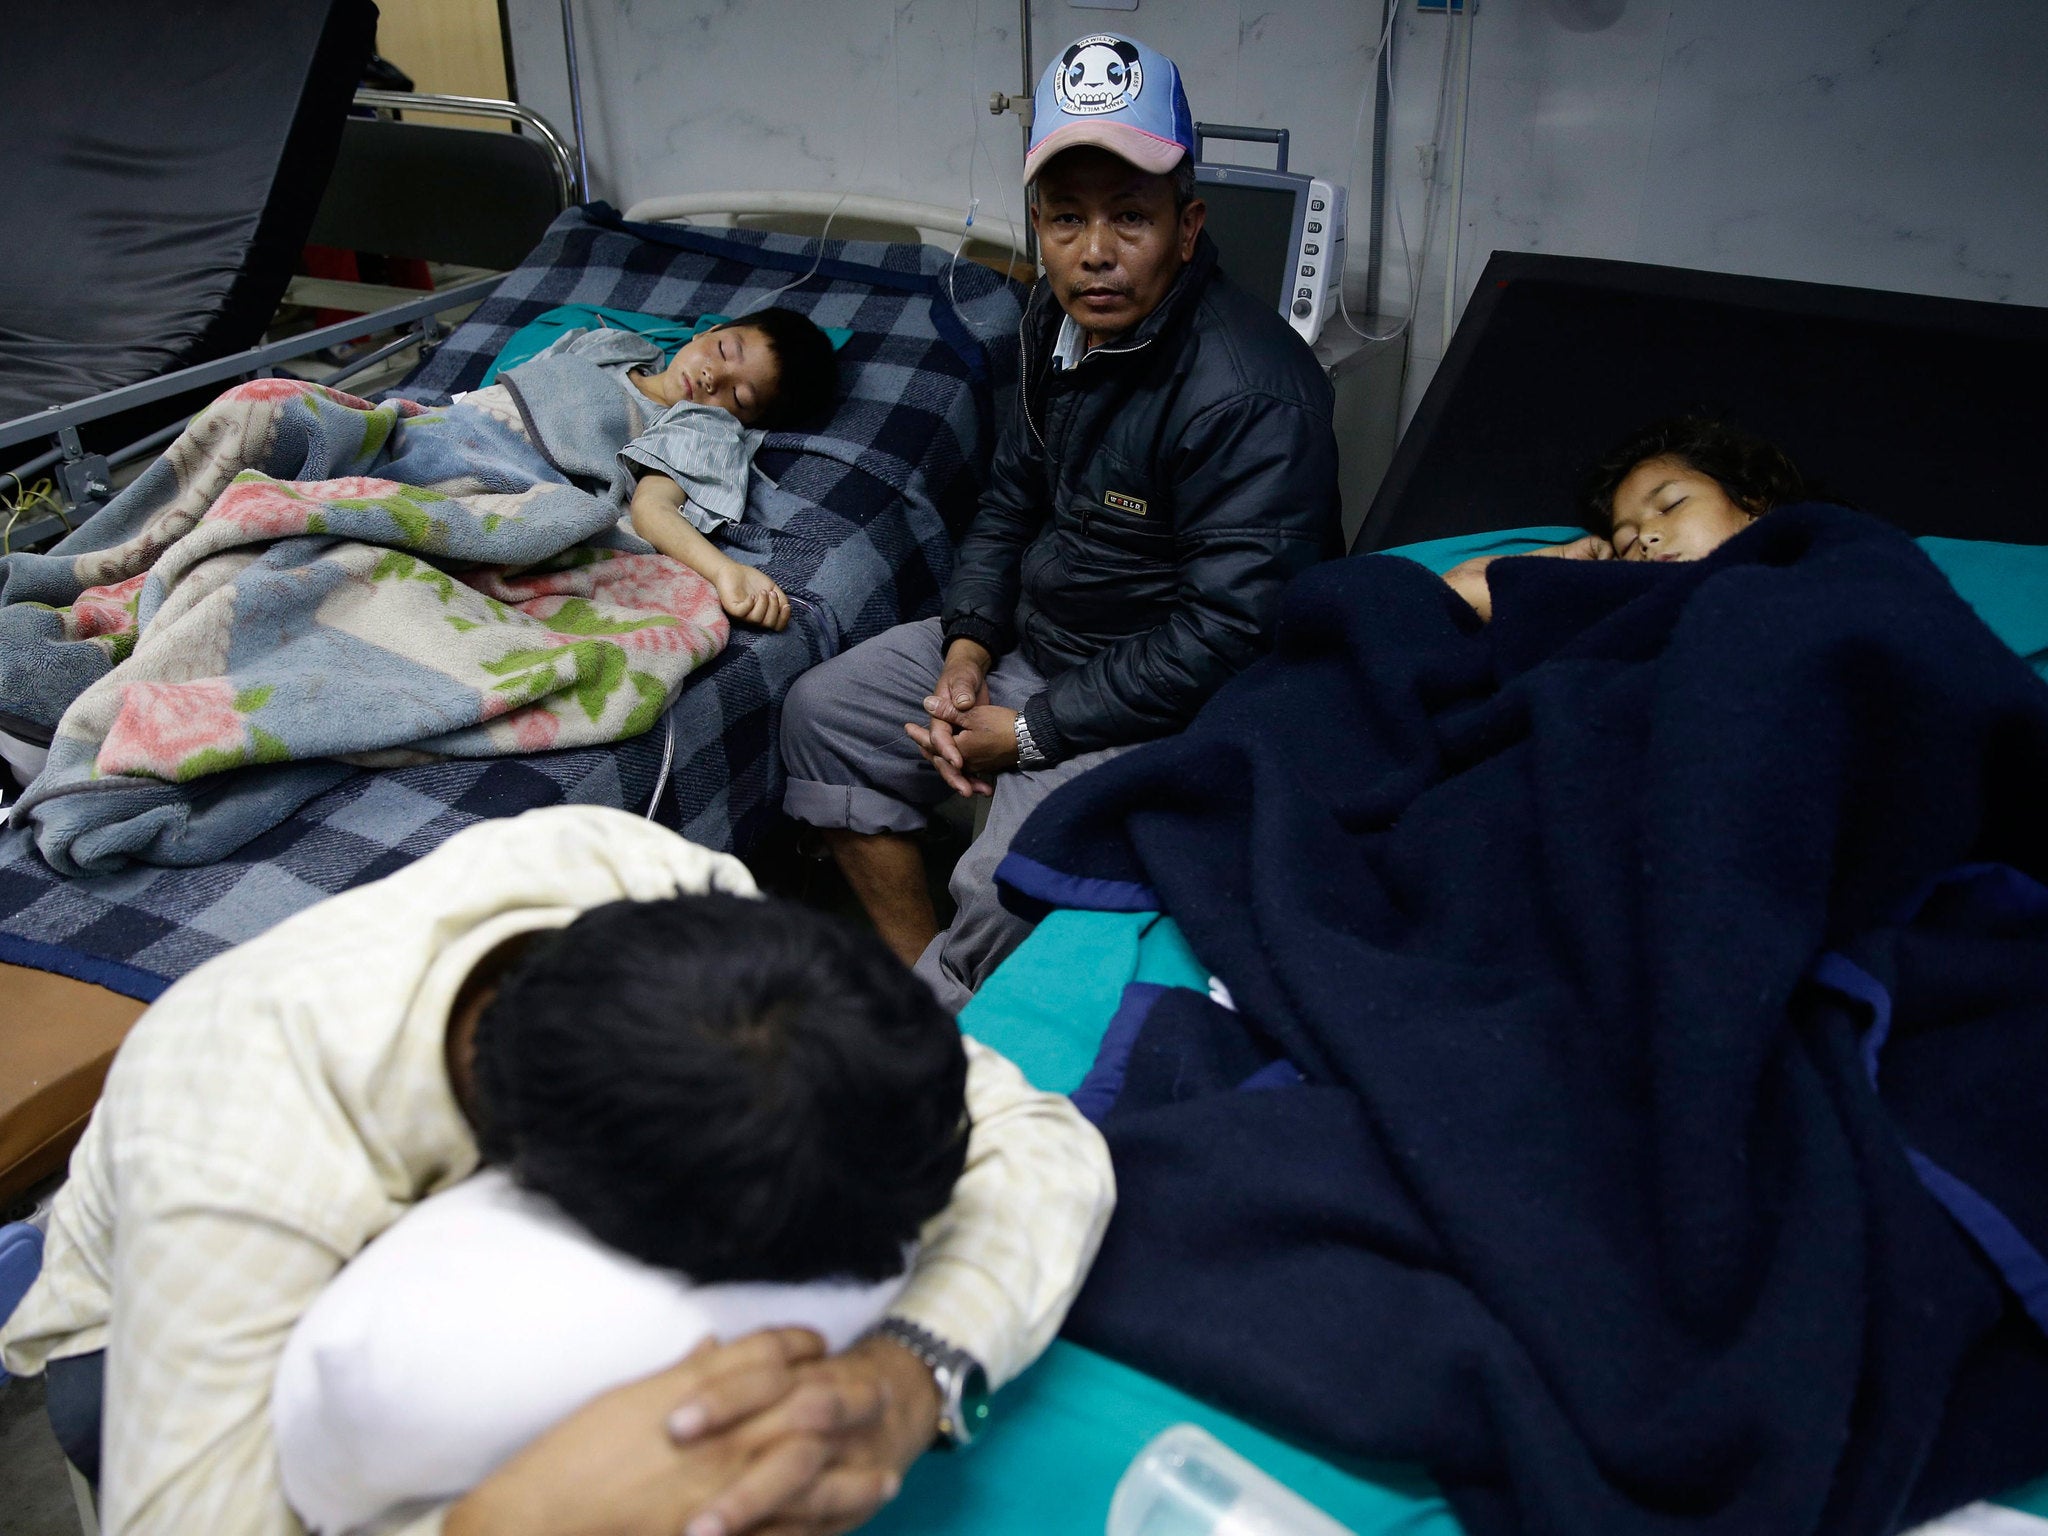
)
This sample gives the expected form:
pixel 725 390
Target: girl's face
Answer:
pixel 1667 510
pixel 733 368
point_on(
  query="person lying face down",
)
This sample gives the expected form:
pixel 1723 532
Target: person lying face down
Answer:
pixel 720 1087
pixel 752 1108
pixel 734 1088
pixel 1675 490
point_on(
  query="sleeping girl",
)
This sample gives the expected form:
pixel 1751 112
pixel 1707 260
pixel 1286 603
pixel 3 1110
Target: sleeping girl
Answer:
pixel 1675 490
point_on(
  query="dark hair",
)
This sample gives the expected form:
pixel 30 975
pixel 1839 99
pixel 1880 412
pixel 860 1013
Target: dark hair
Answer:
pixel 737 1089
pixel 1757 475
pixel 807 382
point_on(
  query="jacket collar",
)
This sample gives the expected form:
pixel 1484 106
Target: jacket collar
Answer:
pixel 1042 313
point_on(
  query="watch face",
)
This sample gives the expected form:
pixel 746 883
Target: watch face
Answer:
pixel 974 1399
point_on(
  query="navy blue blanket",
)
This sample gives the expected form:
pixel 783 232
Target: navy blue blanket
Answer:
pixel 1539 1137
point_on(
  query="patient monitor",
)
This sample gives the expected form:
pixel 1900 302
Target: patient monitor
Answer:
pixel 1279 234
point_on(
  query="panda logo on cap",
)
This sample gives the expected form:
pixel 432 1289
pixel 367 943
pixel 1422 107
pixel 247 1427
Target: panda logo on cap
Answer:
pixel 1098 74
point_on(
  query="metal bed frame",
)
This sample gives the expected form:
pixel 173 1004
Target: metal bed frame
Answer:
pixel 86 479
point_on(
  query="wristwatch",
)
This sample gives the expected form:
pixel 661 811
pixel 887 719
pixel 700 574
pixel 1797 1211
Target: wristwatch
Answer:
pixel 962 1383
pixel 1028 753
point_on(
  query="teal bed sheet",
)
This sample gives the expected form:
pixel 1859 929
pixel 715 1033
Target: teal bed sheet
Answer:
pixel 1063 1433
pixel 2007 584
pixel 550 326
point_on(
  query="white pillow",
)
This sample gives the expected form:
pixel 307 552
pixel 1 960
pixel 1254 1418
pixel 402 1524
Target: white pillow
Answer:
pixel 481 1318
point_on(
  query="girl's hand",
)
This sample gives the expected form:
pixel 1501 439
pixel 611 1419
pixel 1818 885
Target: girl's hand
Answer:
pixel 1591 547
pixel 751 596
pixel 1469 580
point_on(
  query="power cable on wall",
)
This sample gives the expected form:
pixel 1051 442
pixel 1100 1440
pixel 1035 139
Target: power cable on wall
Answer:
pixel 1381 87
pixel 1462 19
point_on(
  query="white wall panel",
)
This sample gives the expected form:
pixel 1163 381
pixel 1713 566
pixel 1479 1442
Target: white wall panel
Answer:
pixel 1890 143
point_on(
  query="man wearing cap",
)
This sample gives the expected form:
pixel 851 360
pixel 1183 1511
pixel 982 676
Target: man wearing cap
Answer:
pixel 1169 466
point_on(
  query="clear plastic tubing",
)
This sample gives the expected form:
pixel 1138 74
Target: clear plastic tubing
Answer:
pixel 1188 1483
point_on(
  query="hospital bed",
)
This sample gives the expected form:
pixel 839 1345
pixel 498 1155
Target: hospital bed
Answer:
pixel 868 509
pixel 1924 411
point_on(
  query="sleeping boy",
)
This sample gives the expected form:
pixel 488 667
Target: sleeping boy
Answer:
pixel 669 1076
pixel 690 429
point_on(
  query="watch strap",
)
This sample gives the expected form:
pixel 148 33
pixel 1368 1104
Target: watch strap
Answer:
pixel 959 1377
pixel 1029 755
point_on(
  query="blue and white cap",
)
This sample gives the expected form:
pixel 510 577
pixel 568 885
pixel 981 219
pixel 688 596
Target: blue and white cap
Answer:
pixel 1116 93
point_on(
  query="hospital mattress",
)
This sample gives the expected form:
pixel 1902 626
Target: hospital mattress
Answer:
pixel 859 524
pixel 164 167
pixel 863 518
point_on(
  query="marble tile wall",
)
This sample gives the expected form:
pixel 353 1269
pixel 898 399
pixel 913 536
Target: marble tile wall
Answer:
pixel 1889 143
pixel 1894 144
pixel 887 95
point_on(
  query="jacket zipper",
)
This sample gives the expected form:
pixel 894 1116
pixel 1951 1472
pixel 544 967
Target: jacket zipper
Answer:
pixel 1024 362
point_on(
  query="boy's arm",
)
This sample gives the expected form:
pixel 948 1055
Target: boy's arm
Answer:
pixel 743 592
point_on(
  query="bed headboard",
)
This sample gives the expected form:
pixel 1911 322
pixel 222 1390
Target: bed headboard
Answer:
pixel 1931 413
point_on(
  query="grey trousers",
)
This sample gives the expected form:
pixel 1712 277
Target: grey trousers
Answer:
pixel 851 765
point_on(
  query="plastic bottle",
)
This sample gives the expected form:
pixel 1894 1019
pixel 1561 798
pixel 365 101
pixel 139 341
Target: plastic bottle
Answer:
pixel 1188 1483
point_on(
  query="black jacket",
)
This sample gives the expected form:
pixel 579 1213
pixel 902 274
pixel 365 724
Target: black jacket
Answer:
pixel 1145 508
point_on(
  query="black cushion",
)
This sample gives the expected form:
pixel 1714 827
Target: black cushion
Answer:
pixel 1924 411
pixel 470 196
pixel 163 163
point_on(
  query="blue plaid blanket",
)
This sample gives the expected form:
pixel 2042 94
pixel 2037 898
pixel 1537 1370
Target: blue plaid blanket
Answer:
pixel 857 526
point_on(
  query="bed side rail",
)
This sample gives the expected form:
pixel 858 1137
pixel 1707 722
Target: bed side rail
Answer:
pixel 85 478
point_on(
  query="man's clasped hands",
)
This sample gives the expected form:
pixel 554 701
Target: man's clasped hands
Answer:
pixel 966 738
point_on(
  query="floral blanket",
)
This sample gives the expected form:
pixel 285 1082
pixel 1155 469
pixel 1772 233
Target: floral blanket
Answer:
pixel 306 580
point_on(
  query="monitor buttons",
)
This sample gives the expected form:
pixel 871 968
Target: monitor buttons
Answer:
pixel 1308 271
pixel 1314 227
pixel 1311 250
pixel 1316 205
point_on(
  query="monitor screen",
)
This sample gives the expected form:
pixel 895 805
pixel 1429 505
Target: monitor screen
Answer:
pixel 1253 228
